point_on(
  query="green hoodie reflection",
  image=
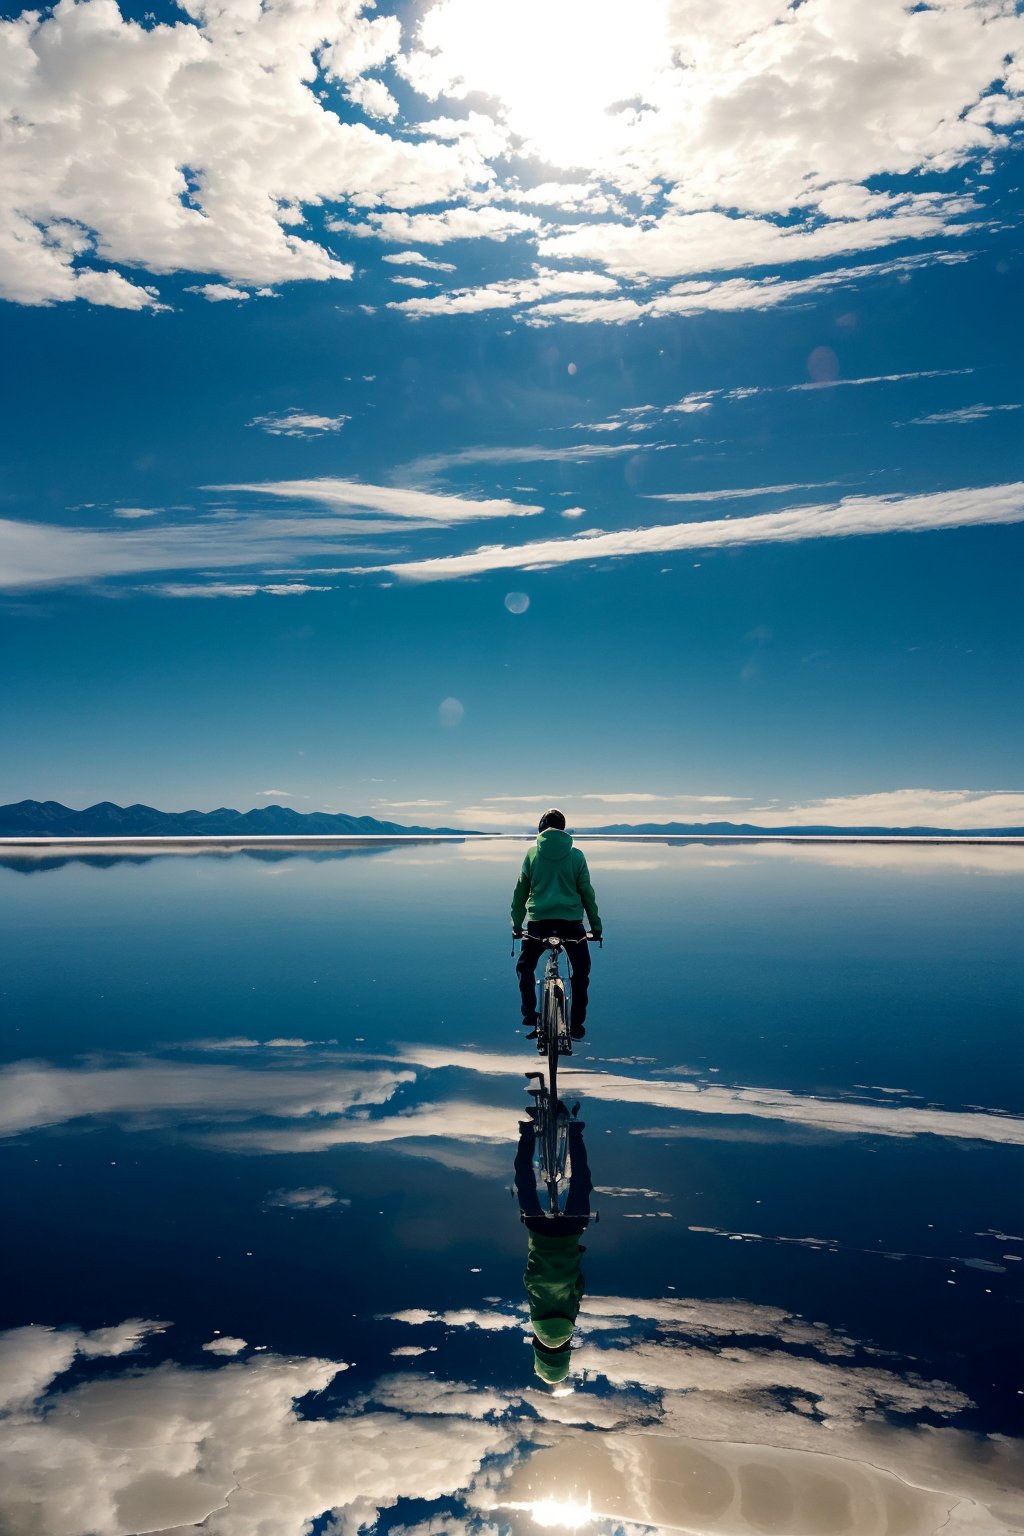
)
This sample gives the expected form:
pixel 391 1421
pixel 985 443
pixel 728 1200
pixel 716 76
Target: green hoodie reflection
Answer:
pixel 553 1277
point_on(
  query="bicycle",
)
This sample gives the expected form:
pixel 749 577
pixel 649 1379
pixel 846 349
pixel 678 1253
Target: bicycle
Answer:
pixel 554 1011
pixel 554 1003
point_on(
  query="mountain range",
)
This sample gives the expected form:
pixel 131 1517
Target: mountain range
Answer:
pixel 48 818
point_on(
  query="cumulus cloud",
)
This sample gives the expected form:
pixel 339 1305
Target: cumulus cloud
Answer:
pixel 295 423
pixel 225 1345
pixel 742 135
pixel 853 515
pixel 373 97
pixel 178 1448
pixel 218 293
pixel 439 228
pixel 417 259
pixel 761 107
pixel 193 146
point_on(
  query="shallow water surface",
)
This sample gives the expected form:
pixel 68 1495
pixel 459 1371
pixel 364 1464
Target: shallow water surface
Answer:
pixel 266 1258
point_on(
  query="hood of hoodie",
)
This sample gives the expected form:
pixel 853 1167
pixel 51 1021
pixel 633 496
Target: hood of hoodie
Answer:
pixel 552 843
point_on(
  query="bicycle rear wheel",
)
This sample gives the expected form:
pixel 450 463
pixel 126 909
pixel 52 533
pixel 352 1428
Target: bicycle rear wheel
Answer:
pixel 554 1028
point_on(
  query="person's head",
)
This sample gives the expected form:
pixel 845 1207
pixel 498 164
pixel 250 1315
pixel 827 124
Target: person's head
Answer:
pixel 552 1349
pixel 552 818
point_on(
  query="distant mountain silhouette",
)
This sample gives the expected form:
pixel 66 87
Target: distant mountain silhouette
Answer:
pixel 48 818
pixel 744 829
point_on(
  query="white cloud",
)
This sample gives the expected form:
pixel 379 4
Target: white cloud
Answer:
pixel 222 1447
pixel 679 244
pixel 852 516
pixel 318 1198
pixel 712 1445
pixel 374 98
pixel 225 1345
pixel 42 554
pixel 877 378
pixel 483 223
pixel 30 1357
pixel 295 423
pixel 815 1112
pixel 193 146
pixel 510 293
pixel 393 501
pixel 412 282
pixel 219 293
pixel 531 453
pixel 132 514
pixel 417 259
pixel 740 495
pixel 961 416
pixel 32 1095
pixel 198 147
pixel 232 589
pixel 758 107
pixel 960 809
pixel 276 794
pixel 733 294
pixel 453 1121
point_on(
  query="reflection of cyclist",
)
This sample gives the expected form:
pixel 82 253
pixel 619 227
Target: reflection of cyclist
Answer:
pixel 554 1280
pixel 554 891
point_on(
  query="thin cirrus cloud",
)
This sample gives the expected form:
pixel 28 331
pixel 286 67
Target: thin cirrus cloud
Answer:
pixel 636 418
pixel 42 554
pixel 960 417
pixel 740 495
pixel 530 453
pixel 853 515
pixel 392 501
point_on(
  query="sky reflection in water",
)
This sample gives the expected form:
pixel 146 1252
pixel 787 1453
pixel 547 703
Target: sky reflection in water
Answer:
pixel 259 1120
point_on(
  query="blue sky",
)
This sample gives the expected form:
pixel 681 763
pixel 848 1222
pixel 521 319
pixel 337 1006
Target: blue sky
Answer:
pixel 439 411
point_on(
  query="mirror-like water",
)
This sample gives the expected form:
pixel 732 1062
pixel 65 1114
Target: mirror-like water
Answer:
pixel 264 1161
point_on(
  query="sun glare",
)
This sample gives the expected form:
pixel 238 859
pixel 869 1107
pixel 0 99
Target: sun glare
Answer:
pixel 569 74
pixel 563 1514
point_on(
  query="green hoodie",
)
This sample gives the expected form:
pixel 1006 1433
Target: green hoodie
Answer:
pixel 554 883
pixel 554 1284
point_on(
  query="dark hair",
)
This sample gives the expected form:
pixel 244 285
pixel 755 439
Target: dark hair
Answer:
pixel 551 818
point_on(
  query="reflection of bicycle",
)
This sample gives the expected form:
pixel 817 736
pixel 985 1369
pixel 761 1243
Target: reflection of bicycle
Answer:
pixel 556 1132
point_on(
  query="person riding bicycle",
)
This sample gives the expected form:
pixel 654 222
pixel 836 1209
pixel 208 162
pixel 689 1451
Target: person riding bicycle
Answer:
pixel 552 893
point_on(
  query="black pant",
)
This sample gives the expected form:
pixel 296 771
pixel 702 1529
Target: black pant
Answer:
pixel 578 951
pixel 577 1201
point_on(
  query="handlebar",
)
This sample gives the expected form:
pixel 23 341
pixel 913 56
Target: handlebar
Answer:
pixel 592 938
